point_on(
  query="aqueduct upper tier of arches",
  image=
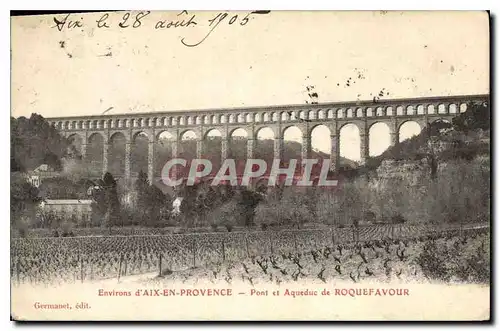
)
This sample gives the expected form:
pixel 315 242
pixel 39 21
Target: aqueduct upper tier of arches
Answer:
pixel 363 114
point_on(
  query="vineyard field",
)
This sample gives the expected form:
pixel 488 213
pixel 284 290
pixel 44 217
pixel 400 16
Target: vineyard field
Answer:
pixel 80 259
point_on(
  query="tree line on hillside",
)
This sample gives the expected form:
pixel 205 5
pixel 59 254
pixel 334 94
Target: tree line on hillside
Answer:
pixel 33 141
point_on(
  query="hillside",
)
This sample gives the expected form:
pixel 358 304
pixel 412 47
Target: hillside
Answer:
pixel 467 137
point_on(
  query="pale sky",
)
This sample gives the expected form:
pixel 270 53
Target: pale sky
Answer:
pixel 268 61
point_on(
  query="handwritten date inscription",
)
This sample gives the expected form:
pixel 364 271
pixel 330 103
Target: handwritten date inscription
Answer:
pixel 183 20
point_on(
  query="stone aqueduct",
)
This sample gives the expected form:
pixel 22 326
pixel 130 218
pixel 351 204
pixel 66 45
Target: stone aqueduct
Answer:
pixel 306 117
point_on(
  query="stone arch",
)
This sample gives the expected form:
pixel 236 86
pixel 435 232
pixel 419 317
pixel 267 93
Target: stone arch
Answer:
pixel 165 135
pixel 241 118
pixel 322 114
pixel 349 113
pixel 213 147
pixel 312 115
pixel 463 107
pixel 420 110
pixel 187 144
pixel 331 113
pixel 163 150
pixel 389 111
pixel 116 153
pixel 188 134
pixel 441 108
pixel 359 112
pixel 292 142
pixel 379 134
pixel 369 112
pixel 438 124
pixel 452 109
pixel 258 117
pixel 340 113
pixel 408 129
pixel 410 110
pixel 95 153
pixel 289 126
pixel 237 149
pixel 139 149
pixel 212 132
pixel 264 137
pixel 400 111
pixel 349 142
pixel 320 141
pixel 275 117
pixel 431 109
pixel 285 117
pixel 139 133
pixel 213 119
pixel 249 117
pixel 380 111
pixel 77 141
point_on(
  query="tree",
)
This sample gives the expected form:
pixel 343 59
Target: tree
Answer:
pixel 112 204
pixel 476 117
pixel 247 202
pixel 158 206
pixel 142 194
pixel 34 141
pixel 227 215
pixel 24 199
pixel 289 210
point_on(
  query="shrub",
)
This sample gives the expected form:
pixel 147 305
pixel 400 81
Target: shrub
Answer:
pixel 432 262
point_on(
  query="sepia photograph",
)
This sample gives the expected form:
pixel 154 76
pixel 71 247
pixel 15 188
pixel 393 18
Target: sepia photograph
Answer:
pixel 250 165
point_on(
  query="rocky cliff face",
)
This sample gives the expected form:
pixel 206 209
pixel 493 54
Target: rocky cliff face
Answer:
pixel 411 172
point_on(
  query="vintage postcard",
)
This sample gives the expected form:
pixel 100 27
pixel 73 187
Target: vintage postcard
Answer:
pixel 250 165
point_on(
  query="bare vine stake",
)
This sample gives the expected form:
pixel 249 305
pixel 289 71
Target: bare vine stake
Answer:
pixel 120 267
pixel 81 268
pixel 194 253
pixel 246 245
pixel 392 231
pixel 81 262
pixel 295 242
pixel 271 243
pixel 159 273
pixel 223 251
pixel 333 237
